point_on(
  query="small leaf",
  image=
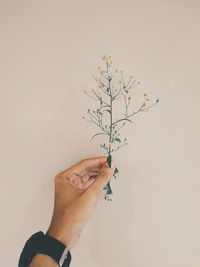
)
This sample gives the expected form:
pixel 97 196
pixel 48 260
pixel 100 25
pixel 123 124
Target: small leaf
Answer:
pixel 109 159
pixel 109 190
pixel 117 139
pixel 108 111
pixel 116 170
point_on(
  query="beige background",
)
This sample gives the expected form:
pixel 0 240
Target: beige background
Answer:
pixel 48 51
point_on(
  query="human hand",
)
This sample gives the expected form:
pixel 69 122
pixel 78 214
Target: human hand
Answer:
pixel 77 191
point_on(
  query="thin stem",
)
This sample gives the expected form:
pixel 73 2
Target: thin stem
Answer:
pixel 97 125
pixel 119 146
pixel 90 96
pixel 98 80
pixel 110 136
pixel 126 106
pixel 130 115
pixel 114 97
pixel 150 106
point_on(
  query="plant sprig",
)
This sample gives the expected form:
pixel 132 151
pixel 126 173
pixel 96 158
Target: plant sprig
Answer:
pixel 107 95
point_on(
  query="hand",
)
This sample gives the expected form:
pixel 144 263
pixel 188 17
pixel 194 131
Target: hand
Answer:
pixel 77 191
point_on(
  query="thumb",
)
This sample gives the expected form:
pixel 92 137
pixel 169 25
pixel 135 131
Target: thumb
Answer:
pixel 102 178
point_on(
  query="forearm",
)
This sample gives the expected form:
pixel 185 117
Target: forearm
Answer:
pixel 41 260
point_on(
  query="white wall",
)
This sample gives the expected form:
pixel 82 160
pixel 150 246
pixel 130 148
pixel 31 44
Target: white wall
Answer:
pixel 48 51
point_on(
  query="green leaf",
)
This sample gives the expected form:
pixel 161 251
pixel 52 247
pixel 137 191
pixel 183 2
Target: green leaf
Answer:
pixel 116 170
pixel 108 189
pixel 109 159
pixel 117 139
pixel 95 135
pixel 108 111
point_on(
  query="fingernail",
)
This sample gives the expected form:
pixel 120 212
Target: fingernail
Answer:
pixel 107 165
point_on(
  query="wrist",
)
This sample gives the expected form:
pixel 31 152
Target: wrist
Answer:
pixel 41 260
pixel 65 237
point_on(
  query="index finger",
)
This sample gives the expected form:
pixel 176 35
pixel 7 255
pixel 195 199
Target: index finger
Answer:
pixel 86 165
pixel 95 162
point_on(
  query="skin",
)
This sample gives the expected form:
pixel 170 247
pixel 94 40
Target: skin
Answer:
pixel 77 191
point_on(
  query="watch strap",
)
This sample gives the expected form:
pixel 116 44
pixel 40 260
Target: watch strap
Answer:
pixel 40 243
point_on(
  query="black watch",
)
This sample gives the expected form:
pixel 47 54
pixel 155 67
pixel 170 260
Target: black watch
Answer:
pixel 40 243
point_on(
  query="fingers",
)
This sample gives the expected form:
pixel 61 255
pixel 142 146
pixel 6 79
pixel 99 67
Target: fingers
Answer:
pixel 85 165
pixel 90 182
pixel 94 162
pixel 82 182
pixel 102 178
pixel 86 177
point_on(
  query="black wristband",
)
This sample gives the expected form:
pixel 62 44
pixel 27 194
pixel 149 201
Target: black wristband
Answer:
pixel 40 243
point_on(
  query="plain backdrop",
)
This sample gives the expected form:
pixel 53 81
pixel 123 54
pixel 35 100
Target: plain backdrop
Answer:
pixel 48 52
